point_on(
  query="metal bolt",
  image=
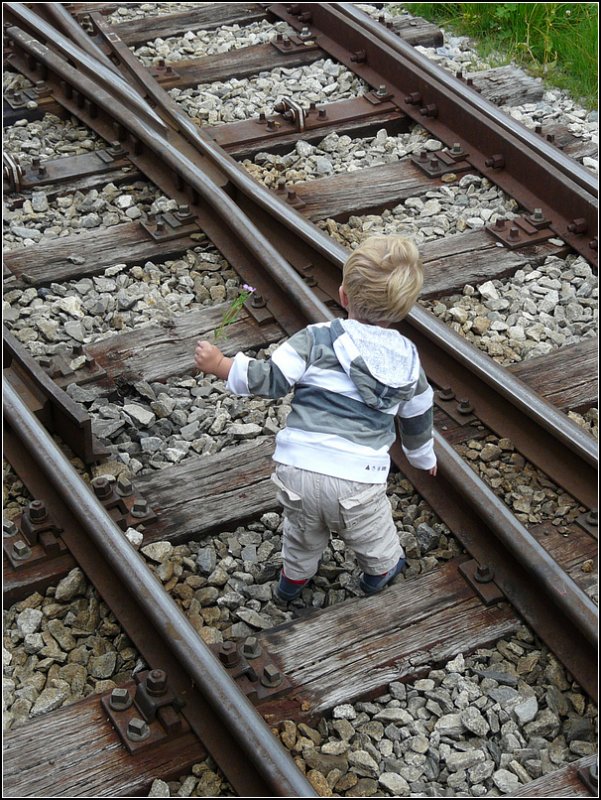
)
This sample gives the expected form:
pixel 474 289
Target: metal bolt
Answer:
pixel 496 162
pixel 423 155
pixel 413 99
pixel 183 210
pixel 271 676
pixel 124 486
pixel 139 508
pixel 550 138
pixel 456 149
pixel 359 56
pixel 102 487
pixel 251 648
pixel 514 233
pixel 484 573
pixel 537 215
pixel 262 116
pixel 271 125
pixel 499 224
pixel 578 226
pixel 120 699
pixel 156 682
pixel 431 110
pixel 258 301
pixel 137 729
pixel 321 113
pixel 21 551
pixel 290 195
pixel 286 41
pixel 464 407
pixel 228 654
pixel 160 225
pixel 9 528
pixel 37 511
pixel 434 163
pixel 592 518
pixel 446 393
pixel 382 90
pixel 305 34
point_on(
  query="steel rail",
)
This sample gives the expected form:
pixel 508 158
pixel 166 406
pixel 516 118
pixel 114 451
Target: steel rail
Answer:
pixel 254 240
pixel 84 57
pixel 58 14
pixel 452 85
pixel 569 596
pixel 531 171
pixel 502 381
pixel 248 728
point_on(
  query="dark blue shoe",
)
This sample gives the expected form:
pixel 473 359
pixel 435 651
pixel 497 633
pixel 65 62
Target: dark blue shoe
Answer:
pixel 288 589
pixel 372 584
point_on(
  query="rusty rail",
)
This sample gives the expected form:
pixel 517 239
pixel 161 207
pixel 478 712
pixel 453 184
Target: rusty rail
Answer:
pixel 528 168
pixel 263 750
pixel 566 596
pixel 543 413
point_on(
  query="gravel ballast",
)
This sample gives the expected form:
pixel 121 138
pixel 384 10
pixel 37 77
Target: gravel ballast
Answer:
pixel 481 725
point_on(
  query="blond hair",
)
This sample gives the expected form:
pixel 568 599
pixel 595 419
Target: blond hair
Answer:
pixel 383 278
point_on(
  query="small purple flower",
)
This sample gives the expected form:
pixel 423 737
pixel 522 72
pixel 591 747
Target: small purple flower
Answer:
pixel 248 288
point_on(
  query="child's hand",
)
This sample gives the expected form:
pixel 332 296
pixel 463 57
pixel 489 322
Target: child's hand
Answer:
pixel 433 471
pixel 207 357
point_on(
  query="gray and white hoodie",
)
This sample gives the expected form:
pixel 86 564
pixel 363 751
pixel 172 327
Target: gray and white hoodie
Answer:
pixel 350 381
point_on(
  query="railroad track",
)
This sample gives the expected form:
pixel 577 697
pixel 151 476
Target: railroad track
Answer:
pixel 494 564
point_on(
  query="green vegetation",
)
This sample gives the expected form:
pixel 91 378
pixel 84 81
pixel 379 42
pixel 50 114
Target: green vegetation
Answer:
pixel 555 41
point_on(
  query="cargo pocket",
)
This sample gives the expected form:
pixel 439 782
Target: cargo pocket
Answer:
pixel 291 502
pixel 363 508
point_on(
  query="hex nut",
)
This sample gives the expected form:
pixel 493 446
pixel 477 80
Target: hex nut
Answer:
pixel 137 729
pixel 21 550
pixel 271 676
pixel 120 699
pixel 251 648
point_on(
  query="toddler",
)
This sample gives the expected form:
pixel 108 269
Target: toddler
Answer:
pixel 351 378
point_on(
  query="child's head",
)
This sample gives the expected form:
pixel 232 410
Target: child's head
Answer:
pixel 382 279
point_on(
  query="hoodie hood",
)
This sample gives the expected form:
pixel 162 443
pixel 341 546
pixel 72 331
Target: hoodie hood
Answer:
pixel 383 364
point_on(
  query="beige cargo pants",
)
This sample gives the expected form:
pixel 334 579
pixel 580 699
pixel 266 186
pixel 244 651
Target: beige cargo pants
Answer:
pixel 315 505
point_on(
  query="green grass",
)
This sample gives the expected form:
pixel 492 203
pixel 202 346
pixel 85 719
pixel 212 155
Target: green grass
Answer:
pixel 555 41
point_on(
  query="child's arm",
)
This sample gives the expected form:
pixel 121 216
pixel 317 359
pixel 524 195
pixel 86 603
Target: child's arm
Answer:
pixel 416 427
pixel 209 358
pixel 245 376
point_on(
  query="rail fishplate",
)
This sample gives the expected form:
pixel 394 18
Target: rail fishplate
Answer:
pixel 31 537
pixel 253 669
pixel 481 578
pixel 147 712
pixel 522 231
